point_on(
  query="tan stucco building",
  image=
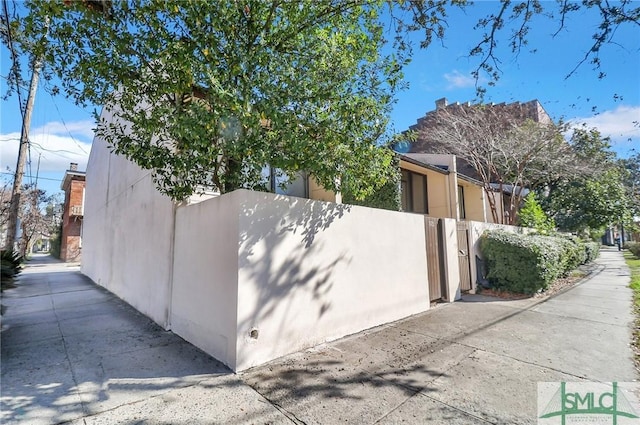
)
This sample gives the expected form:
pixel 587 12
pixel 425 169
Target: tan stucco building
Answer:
pixel 431 185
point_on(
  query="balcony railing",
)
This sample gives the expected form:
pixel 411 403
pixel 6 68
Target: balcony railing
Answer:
pixel 76 210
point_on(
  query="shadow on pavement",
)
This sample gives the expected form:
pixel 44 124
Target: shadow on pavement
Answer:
pixel 70 348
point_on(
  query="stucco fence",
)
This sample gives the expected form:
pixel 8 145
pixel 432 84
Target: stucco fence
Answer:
pixel 257 276
pixel 250 276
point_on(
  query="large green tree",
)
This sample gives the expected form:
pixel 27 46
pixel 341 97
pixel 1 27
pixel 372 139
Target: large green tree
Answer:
pixel 594 199
pixel 205 94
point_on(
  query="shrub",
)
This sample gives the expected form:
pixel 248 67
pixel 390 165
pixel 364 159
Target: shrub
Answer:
pixel 521 263
pixel 573 253
pixel 529 263
pixel 11 263
pixel 591 249
pixel 533 216
pixel 634 248
pixel 56 242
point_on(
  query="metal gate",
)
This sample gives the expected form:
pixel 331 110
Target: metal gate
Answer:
pixel 435 258
pixel 463 256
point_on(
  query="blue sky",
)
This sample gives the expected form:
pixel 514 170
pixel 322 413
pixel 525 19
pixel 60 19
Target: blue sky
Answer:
pixel 61 132
pixel 445 71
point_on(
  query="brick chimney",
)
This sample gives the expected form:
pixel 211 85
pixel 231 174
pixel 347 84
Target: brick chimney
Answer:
pixel 441 103
pixel 73 166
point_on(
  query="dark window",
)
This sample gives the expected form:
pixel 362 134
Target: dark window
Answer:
pixel 414 192
pixel 405 191
pixel 461 209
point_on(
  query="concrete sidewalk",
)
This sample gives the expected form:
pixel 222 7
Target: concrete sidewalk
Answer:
pixel 73 352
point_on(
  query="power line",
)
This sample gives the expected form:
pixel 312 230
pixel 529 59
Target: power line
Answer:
pixel 14 56
pixel 40 148
pixel 39 177
pixel 17 84
pixel 65 124
pixel 54 151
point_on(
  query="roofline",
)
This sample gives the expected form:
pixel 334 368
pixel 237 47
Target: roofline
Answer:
pixel 445 172
pixel 75 173
pixel 471 180
pixel 422 164
pixel 68 175
pixel 540 110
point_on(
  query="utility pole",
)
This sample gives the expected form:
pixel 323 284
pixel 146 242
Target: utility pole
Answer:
pixel 22 158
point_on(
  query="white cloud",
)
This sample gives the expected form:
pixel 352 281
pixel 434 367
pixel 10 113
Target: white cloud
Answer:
pixel 54 142
pixel 458 80
pixel 78 129
pixel 620 124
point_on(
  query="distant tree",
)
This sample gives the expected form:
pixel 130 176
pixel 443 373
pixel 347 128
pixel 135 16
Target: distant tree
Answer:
pixel 595 199
pixel 590 202
pixel 37 218
pixel 631 181
pixel 532 215
pixel 55 241
pixel 5 201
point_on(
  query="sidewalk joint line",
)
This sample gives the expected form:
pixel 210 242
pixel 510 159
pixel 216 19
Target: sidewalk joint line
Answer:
pixel 68 359
pixel 289 415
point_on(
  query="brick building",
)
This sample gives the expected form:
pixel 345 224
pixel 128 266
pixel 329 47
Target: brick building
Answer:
pixel 501 115
pixel 73 211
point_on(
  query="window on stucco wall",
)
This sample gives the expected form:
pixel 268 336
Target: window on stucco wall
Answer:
pixel 279 182
pixel 461 209
pixel 414 192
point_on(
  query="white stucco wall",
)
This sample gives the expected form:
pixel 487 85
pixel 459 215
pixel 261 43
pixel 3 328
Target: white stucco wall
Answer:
pixel 451 269
pixel 313 271
pixel 205 276
pixel 127 233
pixel 304 272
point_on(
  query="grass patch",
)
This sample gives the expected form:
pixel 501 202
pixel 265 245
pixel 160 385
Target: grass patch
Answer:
pixel 634 265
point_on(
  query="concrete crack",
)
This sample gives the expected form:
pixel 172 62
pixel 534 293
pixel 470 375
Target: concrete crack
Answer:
pixel 66 354
pixel 289 415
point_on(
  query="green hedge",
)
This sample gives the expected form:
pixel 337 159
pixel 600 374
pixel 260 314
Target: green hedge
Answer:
pixel 529 263
pixel 56 242
pixel 634 248
pixel 591 249
pixel 574 253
